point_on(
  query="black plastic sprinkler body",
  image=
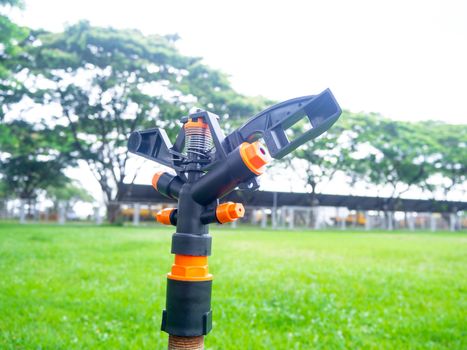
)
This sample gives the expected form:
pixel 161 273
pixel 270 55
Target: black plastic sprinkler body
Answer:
pixel 208 166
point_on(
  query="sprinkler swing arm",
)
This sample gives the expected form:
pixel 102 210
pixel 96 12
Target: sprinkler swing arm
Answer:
pixel 208 166
pixel 321 110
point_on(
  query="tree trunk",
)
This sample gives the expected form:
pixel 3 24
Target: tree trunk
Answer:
pixel 113 210
pixel 29 216
pixel 313 203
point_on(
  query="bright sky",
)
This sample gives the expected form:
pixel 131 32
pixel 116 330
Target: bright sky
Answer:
pixel 404 59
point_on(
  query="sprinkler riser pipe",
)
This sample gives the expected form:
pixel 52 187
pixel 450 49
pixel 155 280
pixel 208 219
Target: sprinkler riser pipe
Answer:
pixel 209 165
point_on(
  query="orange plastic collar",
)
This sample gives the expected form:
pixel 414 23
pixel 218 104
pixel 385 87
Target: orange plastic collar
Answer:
pixel 199 123
pixel 230 211
pixel 190 268
pixel 255 156
pixel 156 178
pixel 163 216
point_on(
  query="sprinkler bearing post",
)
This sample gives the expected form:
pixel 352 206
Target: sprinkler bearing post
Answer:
pixel 208 166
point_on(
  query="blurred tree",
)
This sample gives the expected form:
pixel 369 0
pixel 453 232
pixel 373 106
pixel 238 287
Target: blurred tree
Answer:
pixel 11 35
pixel 320 159
pixel 4 195
pixel 104 83
pixel 385 154
pixel 3 189
pixel 31 159
pixel 450 158
pixel 13 3
pixel 395 154
pixel 388 154
pixel 70 193
pixel 100 84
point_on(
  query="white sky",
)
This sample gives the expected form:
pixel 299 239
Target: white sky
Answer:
pixel 404 59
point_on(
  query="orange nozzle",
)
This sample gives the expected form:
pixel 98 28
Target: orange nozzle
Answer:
pixel 230 211
pixel 190 268
pixel 199 123
pixel 255 156
pixel 155 179
pixel 163 216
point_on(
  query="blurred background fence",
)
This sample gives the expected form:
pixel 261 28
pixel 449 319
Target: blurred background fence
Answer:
pixel 277 210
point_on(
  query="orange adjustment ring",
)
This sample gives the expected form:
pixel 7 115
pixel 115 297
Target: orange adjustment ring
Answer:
pixel 190 268
pixel 230 211
pixel 255 156
pixel 156 178
pixel 199 123
pixel 163 216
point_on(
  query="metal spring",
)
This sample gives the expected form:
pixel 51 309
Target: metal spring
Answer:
pixel 198 140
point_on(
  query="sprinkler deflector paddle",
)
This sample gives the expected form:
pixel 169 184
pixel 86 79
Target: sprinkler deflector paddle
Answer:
pixel 208 166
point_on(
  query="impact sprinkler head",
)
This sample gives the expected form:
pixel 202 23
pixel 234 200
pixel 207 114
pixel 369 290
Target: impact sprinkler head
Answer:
pixel 208 166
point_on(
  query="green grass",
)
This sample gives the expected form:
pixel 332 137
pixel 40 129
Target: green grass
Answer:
pixel 90 287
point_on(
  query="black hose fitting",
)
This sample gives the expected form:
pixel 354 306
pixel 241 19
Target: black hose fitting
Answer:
pixel 168 185
pixel 244 163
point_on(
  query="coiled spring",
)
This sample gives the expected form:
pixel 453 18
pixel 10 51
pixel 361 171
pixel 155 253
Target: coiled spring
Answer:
pixel 198 139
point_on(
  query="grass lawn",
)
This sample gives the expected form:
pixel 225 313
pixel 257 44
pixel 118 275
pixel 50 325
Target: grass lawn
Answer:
pixel 86 287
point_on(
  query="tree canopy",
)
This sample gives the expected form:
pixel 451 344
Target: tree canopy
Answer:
pixel 33 158
pixel 11 37
pixel 382 153
pixel 88 88
pixel 104 83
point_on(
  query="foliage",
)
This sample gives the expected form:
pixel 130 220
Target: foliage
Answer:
pixel 384 153
pixel 3 189
pixel 398 154
pixel 319 159
pixel 71 193
pixel 450 160
pixel 31 158
pixel 11 35
pixel 102 83
pixel 14 3
pixel 108 82
pixel 72 287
